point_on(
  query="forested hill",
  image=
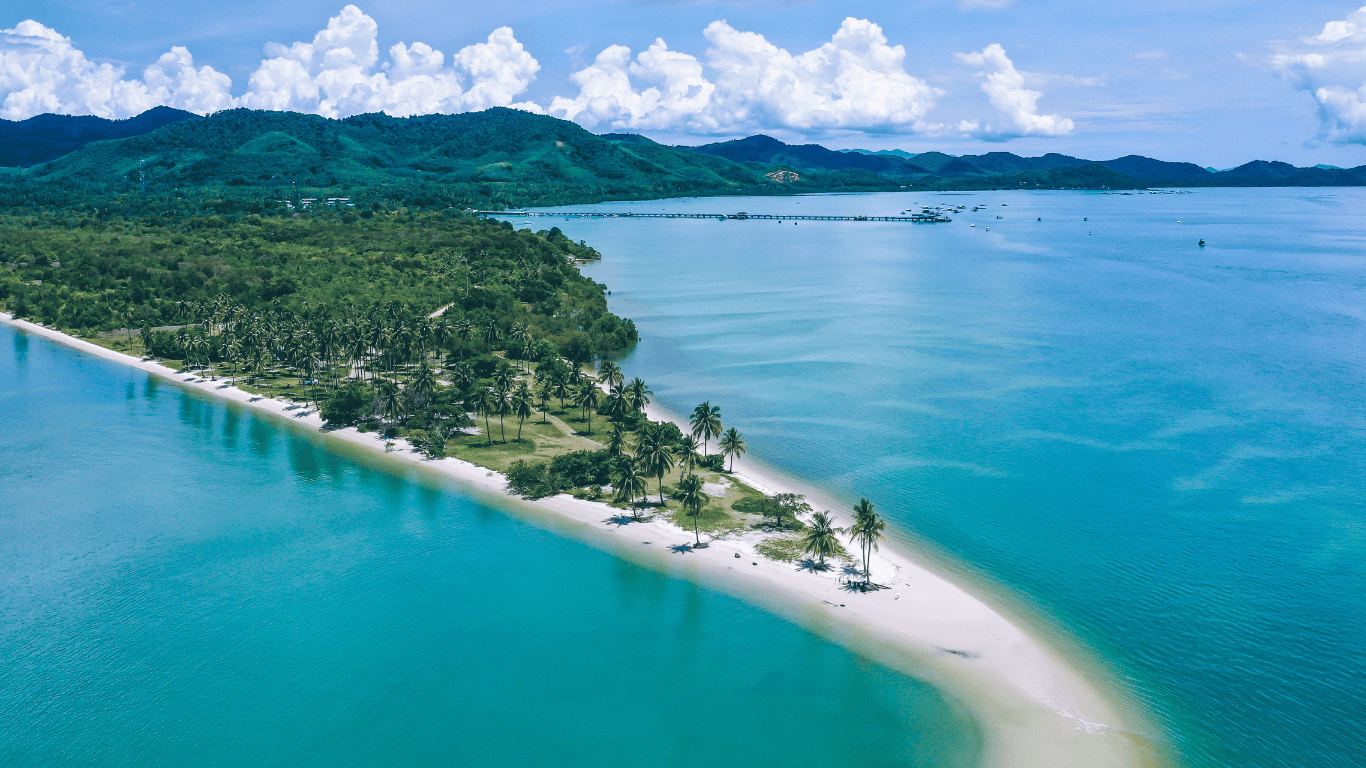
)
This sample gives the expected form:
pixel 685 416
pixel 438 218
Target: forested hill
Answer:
pixel 502 158
pixel 47 137
pixel 498 157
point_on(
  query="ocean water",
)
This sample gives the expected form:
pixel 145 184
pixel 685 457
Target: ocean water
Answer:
pixel 186 583
pixel 1154 447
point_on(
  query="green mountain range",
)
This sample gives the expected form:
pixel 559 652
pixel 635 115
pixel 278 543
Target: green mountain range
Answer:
pixel 507 158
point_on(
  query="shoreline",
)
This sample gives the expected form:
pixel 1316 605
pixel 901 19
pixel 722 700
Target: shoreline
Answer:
pixel 1033 708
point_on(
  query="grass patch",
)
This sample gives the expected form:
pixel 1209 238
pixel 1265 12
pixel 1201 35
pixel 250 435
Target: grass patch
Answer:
pixel 782 549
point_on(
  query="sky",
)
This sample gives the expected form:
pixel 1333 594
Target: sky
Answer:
pixel 1214 82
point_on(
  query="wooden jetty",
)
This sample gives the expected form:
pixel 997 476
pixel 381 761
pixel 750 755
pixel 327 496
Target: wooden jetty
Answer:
pixel 918 218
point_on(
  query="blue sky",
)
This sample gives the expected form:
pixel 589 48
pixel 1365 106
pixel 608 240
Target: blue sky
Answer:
pixel 1216 83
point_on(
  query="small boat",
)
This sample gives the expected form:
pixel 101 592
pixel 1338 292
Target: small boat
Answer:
pixel 1202 243
pixel 1000 217
pixel 972 225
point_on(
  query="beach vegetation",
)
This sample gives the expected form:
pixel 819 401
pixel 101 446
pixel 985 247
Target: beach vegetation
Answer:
pixel 866 532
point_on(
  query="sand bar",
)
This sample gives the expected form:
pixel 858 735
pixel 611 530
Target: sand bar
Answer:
pixel 1035 709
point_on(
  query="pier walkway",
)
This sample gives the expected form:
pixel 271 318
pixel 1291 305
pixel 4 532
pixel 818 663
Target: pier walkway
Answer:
pixel 918 218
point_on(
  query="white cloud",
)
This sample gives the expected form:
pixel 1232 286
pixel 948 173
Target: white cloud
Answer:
pixel 1330 66
pixel 42 71
pixel 336 76
pixel 855 81
pixel 1005 87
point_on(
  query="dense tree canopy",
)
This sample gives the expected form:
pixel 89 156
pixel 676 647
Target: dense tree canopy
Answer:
pixel 80 267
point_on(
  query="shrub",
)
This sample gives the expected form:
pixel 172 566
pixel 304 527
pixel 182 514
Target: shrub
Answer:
pixel 347 404
pixel 582 468
pixel 532 481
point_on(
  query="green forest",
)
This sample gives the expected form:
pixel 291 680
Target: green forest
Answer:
pixel 489 160
pixel 84 269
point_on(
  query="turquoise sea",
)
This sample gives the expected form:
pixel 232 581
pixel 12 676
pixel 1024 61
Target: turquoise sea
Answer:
pixel 1151 448
pixel 186 583
pixel 1158 448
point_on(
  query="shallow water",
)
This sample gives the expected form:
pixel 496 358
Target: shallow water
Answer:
pixel 183 582
pixel 1157 446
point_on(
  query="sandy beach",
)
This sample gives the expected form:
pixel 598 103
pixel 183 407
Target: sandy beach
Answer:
pixel 1034 706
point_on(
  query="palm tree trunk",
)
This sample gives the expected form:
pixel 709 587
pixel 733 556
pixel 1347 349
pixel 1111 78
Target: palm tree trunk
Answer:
pixel 661 489
pixel 488 430
pixel 520 421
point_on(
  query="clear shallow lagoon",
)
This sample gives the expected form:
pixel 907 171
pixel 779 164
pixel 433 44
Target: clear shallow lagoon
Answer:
pixel 183 582
pixel 1158 446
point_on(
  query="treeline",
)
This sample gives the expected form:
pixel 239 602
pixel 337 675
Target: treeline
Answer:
pixel 82 267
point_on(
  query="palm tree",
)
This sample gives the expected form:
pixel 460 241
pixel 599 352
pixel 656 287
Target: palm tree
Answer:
pixel 485 403
pixel 638 395
pixel 822 540
pixel 491 333
pixel 732 445
pixel 629 482
pixel 424 380
pixel 543 395
pixel 617 404
pixel 502 380
pixel 390 401
pixel 561 389
pixel 690 493
pixel 587 399
pixel 618 440
pixel 521 406
pixel 464 329
pixel 502 401
pixel 687 448
pixel 706 423
pixel 610 374
pixel 656 456
pixel 867 531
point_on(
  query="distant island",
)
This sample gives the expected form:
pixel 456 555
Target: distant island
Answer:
pixel 501 158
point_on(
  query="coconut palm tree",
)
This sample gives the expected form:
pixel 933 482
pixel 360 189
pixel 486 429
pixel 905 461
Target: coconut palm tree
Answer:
pixel 693 498
pixel 617 404
pixel 521 405
pixel 560 387
pixel 630 481
pixel 484 402
pixel 503 379
pixel 706 423
pixel 732 445
pixel 502 401
pixel 822 540
pixel 390 401
pixel 543 393
pixel 464 329
pixel 618 439
pixel 687 449
pixel 610 374
pixel 656 456
pixel 867 531
pixel 424 380
pixel 638 395
pixel 587 399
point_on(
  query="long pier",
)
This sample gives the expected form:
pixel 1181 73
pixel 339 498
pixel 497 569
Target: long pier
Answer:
pixel 918 218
